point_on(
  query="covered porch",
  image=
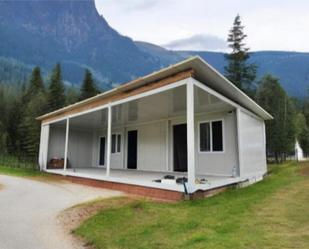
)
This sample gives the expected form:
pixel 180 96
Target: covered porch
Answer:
pixel 151 138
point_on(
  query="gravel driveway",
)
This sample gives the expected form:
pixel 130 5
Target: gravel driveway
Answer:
pixel 29 209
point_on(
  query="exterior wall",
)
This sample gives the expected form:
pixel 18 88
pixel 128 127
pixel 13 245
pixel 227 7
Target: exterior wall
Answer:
pixel 80 148
pixel 251 145
pixel 212 163
pixel 56 142
pixel 117 159
pixel 151 147
pixel 218 163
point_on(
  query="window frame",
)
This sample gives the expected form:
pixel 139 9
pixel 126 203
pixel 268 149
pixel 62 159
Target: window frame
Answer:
pixel 211 151
pixel 116 143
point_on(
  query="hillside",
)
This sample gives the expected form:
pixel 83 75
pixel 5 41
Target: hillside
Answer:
pixel 74 34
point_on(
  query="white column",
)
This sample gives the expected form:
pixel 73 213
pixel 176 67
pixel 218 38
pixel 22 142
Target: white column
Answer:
pixel 239 145
pixel 66 145
pixel 43 146
pixel 109 137
pixel 190 136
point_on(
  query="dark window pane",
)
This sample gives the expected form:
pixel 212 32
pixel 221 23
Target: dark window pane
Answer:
pixel 118 143
pixel 113 143
pixel 217 137
pixel 204 137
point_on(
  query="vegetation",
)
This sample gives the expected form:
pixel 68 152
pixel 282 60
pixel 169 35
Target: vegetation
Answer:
pixel 269 214
pixel 20 172
pixel 238 70
pixel 56 91
pixel 88 88
pixel 21 104
pixel 280 132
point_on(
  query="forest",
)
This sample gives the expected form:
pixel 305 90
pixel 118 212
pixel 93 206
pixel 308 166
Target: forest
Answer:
pixel 22 101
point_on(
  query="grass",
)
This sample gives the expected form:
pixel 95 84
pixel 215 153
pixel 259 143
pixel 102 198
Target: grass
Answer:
pixel 270 214
pixel 4 170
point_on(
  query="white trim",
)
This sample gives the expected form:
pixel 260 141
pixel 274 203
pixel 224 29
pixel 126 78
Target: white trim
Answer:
pixel 167 145
pixel 109 137
pixel 66 145
pixel 172 145
pixel 210 121
pixel 116 143
pixel 99 154
pixel 190 136
pixel 239 145
pixel 223 98
pixel 125 100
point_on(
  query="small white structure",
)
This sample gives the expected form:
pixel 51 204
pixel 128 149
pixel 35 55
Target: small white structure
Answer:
pixel 299 154
pixel 186 120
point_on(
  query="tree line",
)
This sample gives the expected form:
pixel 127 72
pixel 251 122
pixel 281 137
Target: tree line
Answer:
pixel 291 115
pixel 19 108
pixel 20 131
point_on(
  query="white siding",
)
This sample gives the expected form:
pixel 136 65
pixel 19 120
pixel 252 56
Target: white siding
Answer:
pixel 80 148
pixel 56 142
pixel 218 163
pixel 151 147
pixel 43 147
pixel 252 145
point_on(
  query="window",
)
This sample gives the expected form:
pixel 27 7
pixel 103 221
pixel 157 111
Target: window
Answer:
pixel 211 136
pixel 116 143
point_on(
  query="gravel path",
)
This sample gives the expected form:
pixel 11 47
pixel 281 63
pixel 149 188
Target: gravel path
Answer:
pixel 29 209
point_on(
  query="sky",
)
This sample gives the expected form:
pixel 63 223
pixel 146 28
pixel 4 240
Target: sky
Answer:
pixel 204 24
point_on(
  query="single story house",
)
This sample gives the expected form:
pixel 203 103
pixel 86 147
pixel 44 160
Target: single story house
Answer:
pixel 182 129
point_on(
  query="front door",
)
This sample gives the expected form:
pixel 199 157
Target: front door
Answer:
pixel 180 148
pixel 132 150
pixel 102 151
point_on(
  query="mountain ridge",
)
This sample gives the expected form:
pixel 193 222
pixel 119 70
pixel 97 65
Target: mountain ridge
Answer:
pixel 76 35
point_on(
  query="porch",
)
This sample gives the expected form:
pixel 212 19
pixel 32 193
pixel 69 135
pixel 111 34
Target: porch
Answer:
pixel 147 178
pixel 183 129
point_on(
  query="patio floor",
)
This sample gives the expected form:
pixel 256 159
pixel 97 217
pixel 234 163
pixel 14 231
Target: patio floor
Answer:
pixel 145 178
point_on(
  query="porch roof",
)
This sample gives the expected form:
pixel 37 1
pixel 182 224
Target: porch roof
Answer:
pixel 192 67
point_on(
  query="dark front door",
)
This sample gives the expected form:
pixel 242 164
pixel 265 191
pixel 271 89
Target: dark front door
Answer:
pixel 132 150
pixel 102 151
pixel 180 147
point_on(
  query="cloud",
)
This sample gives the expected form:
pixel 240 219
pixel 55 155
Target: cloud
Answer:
pixel 198 42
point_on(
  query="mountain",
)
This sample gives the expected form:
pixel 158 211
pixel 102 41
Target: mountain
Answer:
pixel 292 68
pixel 71 32
pixel 41 32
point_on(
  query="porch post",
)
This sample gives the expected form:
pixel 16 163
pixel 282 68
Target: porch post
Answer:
pixel 66 145
pixel 109 136
pixel 239 145
pixel 190 136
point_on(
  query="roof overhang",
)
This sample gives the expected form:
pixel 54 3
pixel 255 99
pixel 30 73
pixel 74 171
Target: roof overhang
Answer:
pixel 202 72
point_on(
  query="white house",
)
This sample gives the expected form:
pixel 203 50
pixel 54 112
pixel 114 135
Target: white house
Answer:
pixel 186 120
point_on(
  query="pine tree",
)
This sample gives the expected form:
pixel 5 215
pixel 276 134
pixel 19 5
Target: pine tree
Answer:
pixel 56 90
pixel 281 131
pixel 33 104
pixel 88 88
pixel 238 70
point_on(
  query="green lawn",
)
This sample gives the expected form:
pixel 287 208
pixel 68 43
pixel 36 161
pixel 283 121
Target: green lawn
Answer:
pixel 270 214
pixel 20 172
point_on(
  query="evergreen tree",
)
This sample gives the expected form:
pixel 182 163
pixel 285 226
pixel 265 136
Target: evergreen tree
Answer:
pixel 31 138
pixel 238 70
pixel 36 83
pixel 88 88
pixel 72 95
pixel 56 90
pixel 281 131
pixel 3 122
